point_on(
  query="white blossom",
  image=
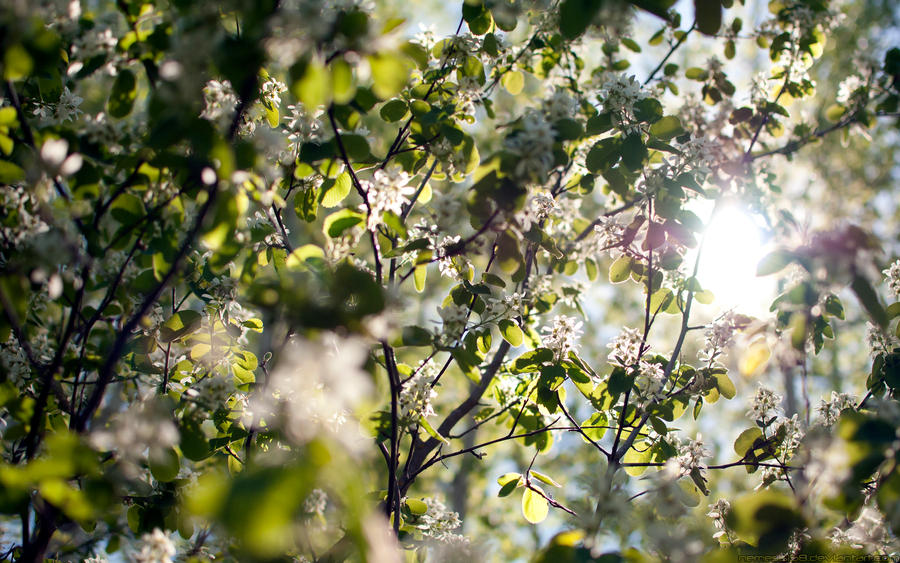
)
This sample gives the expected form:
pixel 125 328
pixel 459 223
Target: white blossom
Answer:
pixel 156 547
pixel 626 348
pixel 718 511
pixel 850 90
pixel 388 191
pixel 650 381
pixel 316 502
pixel 145 426
pixel 764 405
pixel 219 99
pixel 879 340
pixel 416 395
pixel 690 456
pixel 270 92
pixel 719 334
pixel 619 94
pixel 316 383
pixel 830 410
pixel 828 467
pixel 869 531
pixel 438 522
pixel 562 335
pixel 68 107
pixel 454 319
pixel 532 143
pixel 560 105
pixel 57 160
pixel 892 274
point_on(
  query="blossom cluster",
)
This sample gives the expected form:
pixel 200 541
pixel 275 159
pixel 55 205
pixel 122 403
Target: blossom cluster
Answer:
pixel 388 191
pixel 829 410
pixel 719 335
pixel 219 100
pixel 892 275
pixel 438 522
pixel 690 456
pixel 764 405
pixel 718 511
pixel 416 395
pixel 156 547
pixel 626 349
pixel 562 335
pixel 532 144
pixel 618 94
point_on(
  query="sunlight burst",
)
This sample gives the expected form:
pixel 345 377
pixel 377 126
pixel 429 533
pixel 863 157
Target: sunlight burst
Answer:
pixel 733 247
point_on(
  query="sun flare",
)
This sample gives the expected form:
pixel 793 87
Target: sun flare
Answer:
pixel 733 246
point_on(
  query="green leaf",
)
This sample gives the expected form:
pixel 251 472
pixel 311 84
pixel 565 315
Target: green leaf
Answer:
pixel 597 419
pixel 17 63
pixel 544 478
pixel 416 506
pixel 6 144
pixel 419 277
pixel 313 85
pixel 534 506
pixel 389 73
pixel 165 465
pixel 508 488
pixel 416 336
pixel 656 7
pixel 620 270
pixel 339 221
pixel 869 299
pixel 893 310
pixel 835 308
pixel 576 15
pixel 508 483
pixel 10 173
pixel 122 94
pixel 394 110
pixel 179 325
pixel 709 15
pixel 338 191
pixel 306 204
pixel 602 155
pixel 273 117
pixel 532 360
pixel 696 73
pixel 308 253
pixel 725 386
pixel 127 208
pixel 633 151
pixel 774 262
pixel 765 519
pixel 745 441
pixel 342 86
pixel 511 332
pixel 477 16
pixel 493 279
pixel 513 81
pixel 8 116
pixel 648 110
pixel 423 422
pixel 666 128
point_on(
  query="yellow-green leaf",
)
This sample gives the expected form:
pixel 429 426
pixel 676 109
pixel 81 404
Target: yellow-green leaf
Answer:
pixel 511 332
pixel 534 506
pixel 513 81
pixel 337 192
pixel 754 358
pixel 620 269
pixel 180 324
